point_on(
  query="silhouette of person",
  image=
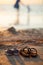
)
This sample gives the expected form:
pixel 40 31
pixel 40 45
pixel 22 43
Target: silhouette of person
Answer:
pixel 17 4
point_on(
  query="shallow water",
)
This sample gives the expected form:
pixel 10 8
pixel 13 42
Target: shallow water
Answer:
pixel 32 19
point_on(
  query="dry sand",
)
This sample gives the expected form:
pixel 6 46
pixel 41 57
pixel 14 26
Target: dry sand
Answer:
pixel 19 60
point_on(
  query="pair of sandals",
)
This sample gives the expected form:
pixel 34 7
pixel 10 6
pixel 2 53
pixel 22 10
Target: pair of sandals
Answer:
pixel 11 52
pixel 28 52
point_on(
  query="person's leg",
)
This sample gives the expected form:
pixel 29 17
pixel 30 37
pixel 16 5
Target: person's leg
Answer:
pixel 23 15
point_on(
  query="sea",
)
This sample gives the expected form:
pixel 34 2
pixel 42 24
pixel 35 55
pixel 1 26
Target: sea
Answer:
pixel 26 17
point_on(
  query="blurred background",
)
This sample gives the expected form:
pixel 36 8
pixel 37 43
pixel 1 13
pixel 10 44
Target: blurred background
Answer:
pixel 29 15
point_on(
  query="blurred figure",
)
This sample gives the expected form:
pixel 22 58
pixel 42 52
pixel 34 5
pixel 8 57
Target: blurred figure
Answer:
pixel 23 14
pixel 17 7
pixel 17 4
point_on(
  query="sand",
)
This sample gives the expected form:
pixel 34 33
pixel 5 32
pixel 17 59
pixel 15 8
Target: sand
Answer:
pixel 32 38
pixel 20 60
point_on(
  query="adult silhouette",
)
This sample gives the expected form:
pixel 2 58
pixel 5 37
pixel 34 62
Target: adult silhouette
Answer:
pixel 17 4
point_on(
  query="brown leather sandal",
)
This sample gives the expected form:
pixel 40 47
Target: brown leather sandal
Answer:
pixel 33 52
pixel 25 51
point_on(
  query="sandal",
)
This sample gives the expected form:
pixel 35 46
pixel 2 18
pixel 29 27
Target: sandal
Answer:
pixel 25 52
pixel 33 52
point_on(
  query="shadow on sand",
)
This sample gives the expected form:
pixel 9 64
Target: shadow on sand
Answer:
pixel 0 64
pixel 21 60
pixel 12 60
pixel 35 59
